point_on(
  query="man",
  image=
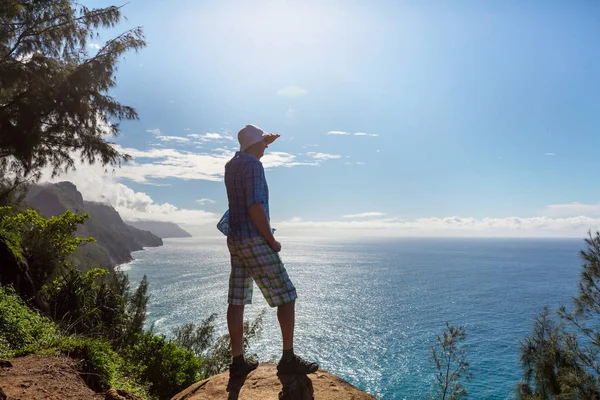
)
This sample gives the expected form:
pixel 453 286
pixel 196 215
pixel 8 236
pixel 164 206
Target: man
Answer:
pixel 254 254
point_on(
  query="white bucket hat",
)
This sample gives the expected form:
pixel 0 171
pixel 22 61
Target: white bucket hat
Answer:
pixel 249 135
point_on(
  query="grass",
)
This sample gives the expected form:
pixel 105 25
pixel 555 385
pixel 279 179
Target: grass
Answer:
pixel 24 331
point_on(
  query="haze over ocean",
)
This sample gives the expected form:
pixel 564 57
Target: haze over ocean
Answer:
pixel 369 311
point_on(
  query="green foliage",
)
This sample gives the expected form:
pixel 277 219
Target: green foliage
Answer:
pixel 168 367
pixel 53 94
pixel 45 243
pixel 101 366
pixel 137 310
pixel 197 339
pixel 449 358
pixel 550 365
pixel 561 360
pixel 8 232
pixel 23 330
pixel 99 361
pixel 98 303
pixel 218 357
pixel 73 301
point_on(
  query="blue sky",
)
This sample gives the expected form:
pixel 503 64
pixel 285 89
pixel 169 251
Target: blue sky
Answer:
pixel 477 110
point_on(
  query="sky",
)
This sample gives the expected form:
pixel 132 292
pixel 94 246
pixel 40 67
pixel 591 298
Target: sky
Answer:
pixel 397 118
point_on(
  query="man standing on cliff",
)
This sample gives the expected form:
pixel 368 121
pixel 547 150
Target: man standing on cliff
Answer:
pixel 254 254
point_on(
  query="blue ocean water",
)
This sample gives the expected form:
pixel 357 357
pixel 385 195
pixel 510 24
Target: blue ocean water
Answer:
pixel 370 311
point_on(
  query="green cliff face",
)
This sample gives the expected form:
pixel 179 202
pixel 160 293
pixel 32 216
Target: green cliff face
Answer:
pixel 115 240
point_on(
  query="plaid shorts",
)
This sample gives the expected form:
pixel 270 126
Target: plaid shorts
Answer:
pixel 253 259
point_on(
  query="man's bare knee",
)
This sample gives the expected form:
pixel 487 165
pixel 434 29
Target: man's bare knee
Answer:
pixel 289 305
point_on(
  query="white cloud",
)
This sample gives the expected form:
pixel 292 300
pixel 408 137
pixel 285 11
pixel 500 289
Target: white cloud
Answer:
pixel 154 131
pixel 323 156
pixel 337 133
pixel 572 210
pixel 292 91
pixel 172 163
pixel 205 201
pixel 436 227
pixel 281 159
pixel 94 46
pixel 172 138
pixel 365 215
pixel 97 185
pixel 207 137
pixel 366 134
pixel 549 154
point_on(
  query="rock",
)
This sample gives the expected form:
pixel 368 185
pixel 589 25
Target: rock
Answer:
pixel 120 394
pixel 5 364
pixel 263 383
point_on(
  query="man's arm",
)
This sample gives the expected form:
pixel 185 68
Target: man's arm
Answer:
pixel 259 217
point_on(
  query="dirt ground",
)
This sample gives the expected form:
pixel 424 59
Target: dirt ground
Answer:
pixel 44 378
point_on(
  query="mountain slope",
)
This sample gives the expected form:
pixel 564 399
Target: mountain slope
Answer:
pixel 114 239
pixel 161 229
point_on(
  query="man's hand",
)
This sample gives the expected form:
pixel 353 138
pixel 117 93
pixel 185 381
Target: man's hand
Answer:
pixel 275 245
pixel 270 137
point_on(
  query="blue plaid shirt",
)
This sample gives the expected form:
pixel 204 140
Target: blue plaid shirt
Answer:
pixel 246 185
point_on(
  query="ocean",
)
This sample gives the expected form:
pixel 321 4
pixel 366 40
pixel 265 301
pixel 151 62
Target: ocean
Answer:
pixel 369 311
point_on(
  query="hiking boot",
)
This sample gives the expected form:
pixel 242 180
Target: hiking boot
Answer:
pixel 297 365
pixel 241 369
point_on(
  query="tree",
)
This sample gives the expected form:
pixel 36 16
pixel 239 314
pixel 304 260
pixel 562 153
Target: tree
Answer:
pixel 584 318
pixel 449 358
pixel 137 310
pixel 562 360
pixel 218 357
pixel 197 339
pixel 54 101
pixel 549 365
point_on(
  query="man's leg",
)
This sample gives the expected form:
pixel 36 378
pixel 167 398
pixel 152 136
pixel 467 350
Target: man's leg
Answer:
pixel 286 315
pixel 291 363
pixel 235 324
pixel 240 293
pixel 270 275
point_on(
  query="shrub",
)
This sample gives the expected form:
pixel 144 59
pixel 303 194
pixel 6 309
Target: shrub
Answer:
pixel 23 330
pixel 98 360
pixel 168 367
pixel 45 243
pixel 72 299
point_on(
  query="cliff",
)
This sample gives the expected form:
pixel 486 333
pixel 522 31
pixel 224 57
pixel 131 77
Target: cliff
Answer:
pixel 45 377
pixel 263 383
pixel 115 240
pixel 161 229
